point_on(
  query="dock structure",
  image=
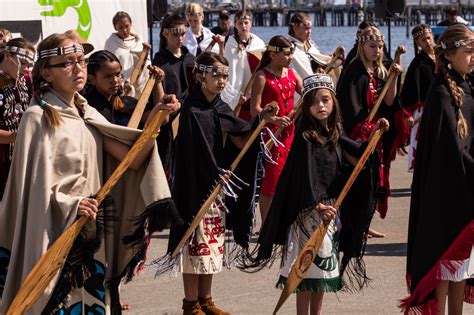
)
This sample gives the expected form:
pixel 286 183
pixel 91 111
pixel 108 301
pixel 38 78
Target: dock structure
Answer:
pixel 346 14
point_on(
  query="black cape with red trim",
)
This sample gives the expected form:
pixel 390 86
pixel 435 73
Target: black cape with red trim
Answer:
pixel 200 157
pixel 442 205
pixel 418 79
pixel 311 173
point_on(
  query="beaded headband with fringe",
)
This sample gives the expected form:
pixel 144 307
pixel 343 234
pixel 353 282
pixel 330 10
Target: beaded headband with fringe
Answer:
pixel 423 31
pixel 211 69
pixel 364 38
pixel 283 49
pixel 318 81
pixel 193 13
pixel 22 53
pixel 175 30
pixel 457 44
pixel 75 48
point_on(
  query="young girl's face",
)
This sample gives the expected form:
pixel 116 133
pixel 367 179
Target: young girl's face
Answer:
pixel 123 28
pixel 194 19
pixel 425 42
pixel 108 79
pixel 215 82
pixel 67 74
pixel 282 59
pixel 243 26
pixel 303 31
pixel 175 40
pixel 462 59
pixel 373 50
pixel 322 105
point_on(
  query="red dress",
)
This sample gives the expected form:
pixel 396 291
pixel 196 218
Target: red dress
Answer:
pixel 281 90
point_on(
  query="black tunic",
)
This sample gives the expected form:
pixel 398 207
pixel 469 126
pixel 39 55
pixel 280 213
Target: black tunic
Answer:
pixel 442 190
pixel 178 78
pixel 313 173
pixel 200 158
pixel 418 79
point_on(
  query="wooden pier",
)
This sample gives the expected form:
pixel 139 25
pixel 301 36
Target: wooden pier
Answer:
pixel 346 15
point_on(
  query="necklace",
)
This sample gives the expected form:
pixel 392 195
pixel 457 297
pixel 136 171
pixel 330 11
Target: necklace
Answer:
pixel 285 90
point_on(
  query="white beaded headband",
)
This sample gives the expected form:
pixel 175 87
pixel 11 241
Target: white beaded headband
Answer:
pixel 423 31
pixel 364 38
pixel 212 69
pixel 75 48
pixel 457 44
pixel 306 24
pixel 278 49
pixel 22 53
pixel 318 81
pixel 245 17
pixel 175 30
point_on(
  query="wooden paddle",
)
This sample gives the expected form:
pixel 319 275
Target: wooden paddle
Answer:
pixel 400 50
pixel 207 204
pixel 140 64
pixel 143 100
pixel 248 86
pixel 312 246
pixel 51 262
pixel 332 63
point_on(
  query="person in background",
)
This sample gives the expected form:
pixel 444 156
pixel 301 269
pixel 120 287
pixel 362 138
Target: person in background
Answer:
pixel 223 27
pixel 452 17
pixel 127 46
pixel 198 38
pixel 5 36
pixel 15 94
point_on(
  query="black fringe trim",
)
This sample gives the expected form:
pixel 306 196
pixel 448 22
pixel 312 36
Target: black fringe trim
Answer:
pixel 79 264
pixel 156 217
pixel 252 261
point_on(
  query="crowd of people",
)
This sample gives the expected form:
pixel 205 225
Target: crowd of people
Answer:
pixel 64 127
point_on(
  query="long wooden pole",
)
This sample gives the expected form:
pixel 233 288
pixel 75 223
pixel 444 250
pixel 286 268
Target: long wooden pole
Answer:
pixel 400 50
pixel 51 262
pixel 312 246
pixel 207 204
pixel 142 101
pixel 137 70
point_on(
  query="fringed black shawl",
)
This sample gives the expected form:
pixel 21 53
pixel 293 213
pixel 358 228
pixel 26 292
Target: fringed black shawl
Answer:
pixel 418 79
pixel 200 159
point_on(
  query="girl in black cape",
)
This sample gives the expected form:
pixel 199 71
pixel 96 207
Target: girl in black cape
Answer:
pixel 441 226
pixel 418 78
pixel 177 63
pixel 358 91
pixel 312 178
pixel 200 161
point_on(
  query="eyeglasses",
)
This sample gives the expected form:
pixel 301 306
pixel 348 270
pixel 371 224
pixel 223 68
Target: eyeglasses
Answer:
pixel 70 64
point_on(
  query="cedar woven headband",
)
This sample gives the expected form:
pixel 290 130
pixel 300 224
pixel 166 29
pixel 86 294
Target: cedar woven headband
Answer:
pixel 211 69
pixel 318 81
pixel 245 17
pixel 290 49
pixel 422 32
pixel 61 51
pixel 22 53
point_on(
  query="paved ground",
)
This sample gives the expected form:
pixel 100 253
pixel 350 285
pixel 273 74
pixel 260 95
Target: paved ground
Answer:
pixel 241 293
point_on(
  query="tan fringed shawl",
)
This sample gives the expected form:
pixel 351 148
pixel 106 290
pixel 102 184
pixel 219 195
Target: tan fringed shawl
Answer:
pixel 52 170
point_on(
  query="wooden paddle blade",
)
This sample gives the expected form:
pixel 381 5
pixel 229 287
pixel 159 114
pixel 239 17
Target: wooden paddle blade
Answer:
pixel 53 259
pixel 141 104
pixel 45 269
pixel 302 264
pixel 312 246
pixel 332 63
pixel 137 70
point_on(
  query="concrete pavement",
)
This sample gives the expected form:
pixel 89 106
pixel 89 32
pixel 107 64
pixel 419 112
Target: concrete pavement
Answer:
pixel 242 293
